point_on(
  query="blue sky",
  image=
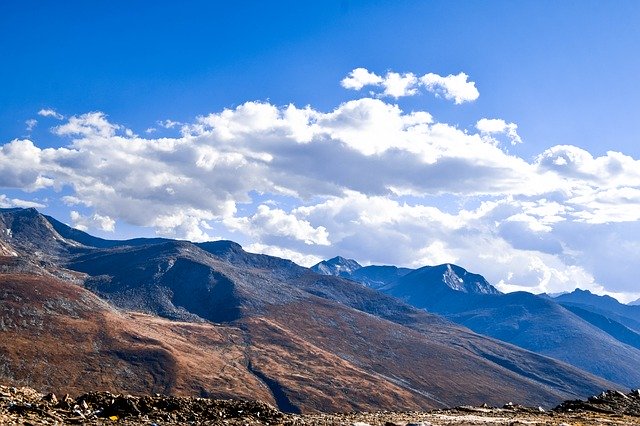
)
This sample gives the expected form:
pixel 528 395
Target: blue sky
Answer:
pixel 564 73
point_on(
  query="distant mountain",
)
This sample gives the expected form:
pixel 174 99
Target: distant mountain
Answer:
pixel 431 282
pixel 634 303
pixel 371 276
pixel 535 323
pixel 607 306
pixel 553 295
pixel 338 266
pixel 449 277
pixel 211 319
pixel 378 276
pixel 609 326
pixel 585 297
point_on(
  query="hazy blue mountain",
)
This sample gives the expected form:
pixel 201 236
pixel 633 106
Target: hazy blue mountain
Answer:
pixel 442 280
pixel 634 303
pixel 526 320
pixel 585 297
pixel 628 315
pixel 609 326
pixel 378 276
pixel 531 322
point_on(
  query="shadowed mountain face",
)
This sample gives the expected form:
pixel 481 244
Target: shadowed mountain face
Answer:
pixel 211 319
pixel 531 322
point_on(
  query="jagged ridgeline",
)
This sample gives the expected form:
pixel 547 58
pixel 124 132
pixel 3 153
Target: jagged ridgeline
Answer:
pixel 173 317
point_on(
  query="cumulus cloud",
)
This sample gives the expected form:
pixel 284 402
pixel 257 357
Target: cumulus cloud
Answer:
pixel 95 221
pixel 357 179
pixel 268 222
pixel 48 112
pixel 21 166
pixel 360 77
pixel 284 253
pixel 89 124
pixel 456 88
pixel 496 126
pixel 452 87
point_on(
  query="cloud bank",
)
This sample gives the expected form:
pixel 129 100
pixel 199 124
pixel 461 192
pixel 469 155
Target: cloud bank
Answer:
pixel 356 180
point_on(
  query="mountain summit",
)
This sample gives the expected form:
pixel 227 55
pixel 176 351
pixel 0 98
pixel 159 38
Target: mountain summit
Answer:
pixel 337 266
pixel 436 280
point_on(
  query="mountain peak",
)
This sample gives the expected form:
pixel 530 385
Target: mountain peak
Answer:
pixel 338 266
pixel 30 233
pixel 456 278
pixel 221 247
pixel 586 295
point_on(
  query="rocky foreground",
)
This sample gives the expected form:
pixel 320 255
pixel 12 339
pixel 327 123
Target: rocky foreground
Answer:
pixel 25 406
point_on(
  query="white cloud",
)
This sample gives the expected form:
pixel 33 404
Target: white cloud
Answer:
pixel 493 126
pixel 48 112
pixel 21 166
pixel 297 257
pixel 89 124
pixel 452 87
pixel 95 221
pixel 168 124
pixel 360 77
pixel 356 180
pixel 31 124
pixel 6 202
pixel 398 85
pixel 268 222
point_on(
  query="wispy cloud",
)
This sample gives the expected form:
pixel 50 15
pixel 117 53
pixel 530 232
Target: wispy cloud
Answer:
pixel 95 221
pixel 6 202
pixel 31 124
pixel 48 112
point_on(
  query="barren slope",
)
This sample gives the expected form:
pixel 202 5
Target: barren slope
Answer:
pixel 214 320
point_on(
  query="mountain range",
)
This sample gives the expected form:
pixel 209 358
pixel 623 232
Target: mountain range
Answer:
pixel 604 346
pixel 210 319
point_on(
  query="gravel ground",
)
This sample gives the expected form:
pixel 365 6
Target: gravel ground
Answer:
pixel 25 406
